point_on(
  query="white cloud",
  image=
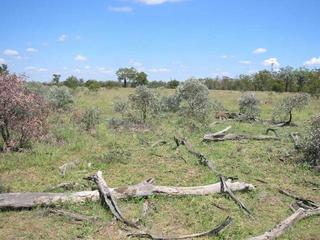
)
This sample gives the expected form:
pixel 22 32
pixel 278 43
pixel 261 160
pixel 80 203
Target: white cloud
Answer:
pixel 313 61
pixel 159 70
pixel 104 70
pixel 11 52
pixel 87 67
pixel 80 58
pixel 2 61
pixel 156 2
pixel 124 9
pixel 35 69
pixel 271 62
pixel 245 62
pixel 31 50
pixel 63 38
pixel 225 56
pixel 259 50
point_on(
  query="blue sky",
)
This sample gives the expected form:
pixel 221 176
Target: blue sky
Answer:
pixel 166 38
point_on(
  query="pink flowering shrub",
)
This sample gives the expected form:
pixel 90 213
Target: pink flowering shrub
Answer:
pixel 23 114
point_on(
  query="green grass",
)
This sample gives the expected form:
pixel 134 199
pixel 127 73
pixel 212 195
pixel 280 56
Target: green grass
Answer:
pixel 38 169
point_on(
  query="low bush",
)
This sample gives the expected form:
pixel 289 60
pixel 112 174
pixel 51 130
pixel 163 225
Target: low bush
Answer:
pixel 249 107
pixel 91 118
pixel 311 143
pixel 60 97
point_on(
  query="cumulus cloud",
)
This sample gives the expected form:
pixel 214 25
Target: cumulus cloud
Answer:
pixel 63 38
pixel 156 2
pixel 11 52
pixel 313 61
pixel 245 62
pixel 271 62
pixel 80 58
pixel 159 70
pixel 124 9
pixel 31 50
pixel 259 50
pixel 2 61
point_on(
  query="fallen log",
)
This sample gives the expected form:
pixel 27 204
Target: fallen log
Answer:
pixel 223 136
pixel 144 189
pixel 288 222
pixel 211 233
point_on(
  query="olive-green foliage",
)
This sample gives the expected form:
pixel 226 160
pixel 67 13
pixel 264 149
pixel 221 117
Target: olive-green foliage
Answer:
pixel 282 111
pixel 91 118
pixel 311 143
pixel 144 102
pixel 195 99
pixel 249 107
pixel 60 97
pixel 170 103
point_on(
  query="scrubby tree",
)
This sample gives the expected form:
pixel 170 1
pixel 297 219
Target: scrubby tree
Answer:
pixel 249 107
pixel 72 82
pixel 56 79
pixel 60 98
pixel 23 113
pixel 282 111
pixel 92 85
pixel 126 75
pixel 141 79
pixel 170 103
pixel 173 84
pixel 311 146
pixel 195 97
pixel 4 69
pixel 144 101
pixel 91 118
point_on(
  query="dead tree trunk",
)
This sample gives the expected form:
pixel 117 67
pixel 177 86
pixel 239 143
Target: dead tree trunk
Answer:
pixel 144 189
pixel 285 224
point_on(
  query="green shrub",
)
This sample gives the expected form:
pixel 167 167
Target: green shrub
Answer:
pixel 170 103
pixel 311 143
pixel 195 99
pixel 91 118
pixel 249 107
pixel 144 102
pixel 60 97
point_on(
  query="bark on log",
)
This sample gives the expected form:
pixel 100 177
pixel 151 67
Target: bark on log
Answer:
pixel 285 224
pixel 144 189
pixel 236 137
pixel 210 233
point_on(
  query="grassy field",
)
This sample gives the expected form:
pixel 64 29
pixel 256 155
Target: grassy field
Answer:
pixel 38 170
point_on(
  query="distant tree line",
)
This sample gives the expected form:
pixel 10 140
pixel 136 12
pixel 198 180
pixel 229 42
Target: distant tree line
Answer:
pixel 286 79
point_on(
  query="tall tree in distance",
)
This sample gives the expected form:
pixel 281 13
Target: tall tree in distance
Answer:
pixel 56 79
pixel 126 75
pixel 141 79
pixel 4 69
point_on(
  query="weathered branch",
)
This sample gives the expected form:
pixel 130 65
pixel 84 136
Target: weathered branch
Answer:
pixel 108 198
pixel 210 233
pixel 202 159
pixel 296 140
pixel 285 224
pixel 226 189
pixel 159 143
pixel 144 189
pixel 222 136
pixel 272 130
